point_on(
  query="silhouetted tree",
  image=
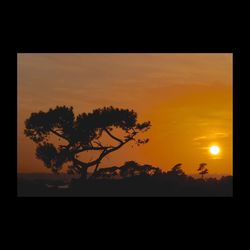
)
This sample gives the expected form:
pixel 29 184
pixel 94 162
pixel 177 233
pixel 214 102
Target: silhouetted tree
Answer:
pixel 132 168
pixel 176 170
pixel 202 170
pixel 81 134
pixel 128 169
pixel 149 170
pixel 107 172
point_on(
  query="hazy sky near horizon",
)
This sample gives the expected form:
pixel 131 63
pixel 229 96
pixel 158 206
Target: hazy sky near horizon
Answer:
pixel 187 98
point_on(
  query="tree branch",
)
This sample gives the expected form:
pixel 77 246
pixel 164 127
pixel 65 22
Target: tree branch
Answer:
pixel 102 155
pixel 112 136
pixel 56 133
pixel 106 151
pixel 98 143
pixel 91 148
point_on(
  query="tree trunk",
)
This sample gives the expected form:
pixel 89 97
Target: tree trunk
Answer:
pixel 83 173
pixel 95 171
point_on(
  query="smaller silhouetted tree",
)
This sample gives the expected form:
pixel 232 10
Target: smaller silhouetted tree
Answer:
pixel 148 170
pixel 176 170
pixel 202 170
pixel 129 169
pixel 132 168
pixel 107 172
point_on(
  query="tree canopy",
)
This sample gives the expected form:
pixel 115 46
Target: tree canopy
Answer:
pixel 176 170
pixel 202 169
pixel 127 170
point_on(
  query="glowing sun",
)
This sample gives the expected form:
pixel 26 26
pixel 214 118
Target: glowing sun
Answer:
pixel 214 150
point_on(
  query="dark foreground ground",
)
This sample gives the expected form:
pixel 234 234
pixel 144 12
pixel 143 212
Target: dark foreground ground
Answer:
pixel 129 187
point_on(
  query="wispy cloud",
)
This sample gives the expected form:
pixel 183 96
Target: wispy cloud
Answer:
pixel 200 138
pixel 218 135
pixel 221 135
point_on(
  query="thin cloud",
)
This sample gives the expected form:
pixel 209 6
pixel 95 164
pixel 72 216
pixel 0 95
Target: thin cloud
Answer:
pixel 200 138
pixel 221 135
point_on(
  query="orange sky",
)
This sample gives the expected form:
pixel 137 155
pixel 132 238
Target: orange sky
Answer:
pixel 187 98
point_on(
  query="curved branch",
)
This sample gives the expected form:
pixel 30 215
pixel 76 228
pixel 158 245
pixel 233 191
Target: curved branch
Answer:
pixel 95 171
pixel 106 152
pixel 98 143
pixel 56 133
pixel 112 136
pixel 102 155
pixel 91 148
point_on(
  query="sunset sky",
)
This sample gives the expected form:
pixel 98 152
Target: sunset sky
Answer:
pixel 187 98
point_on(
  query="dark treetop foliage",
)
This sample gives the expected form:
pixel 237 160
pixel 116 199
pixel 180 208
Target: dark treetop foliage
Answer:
pixel 129 169
pixel 81 134
pixel 177 170
pixel 202 169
